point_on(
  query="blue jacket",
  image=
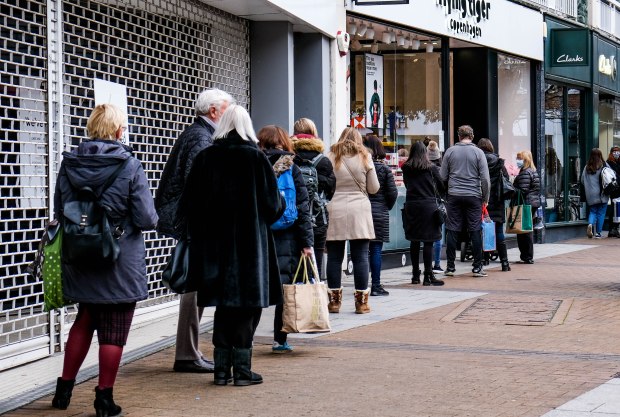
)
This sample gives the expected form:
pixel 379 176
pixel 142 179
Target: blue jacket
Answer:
pixel 129 200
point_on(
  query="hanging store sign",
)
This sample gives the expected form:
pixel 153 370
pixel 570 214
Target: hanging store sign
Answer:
pixel 569 47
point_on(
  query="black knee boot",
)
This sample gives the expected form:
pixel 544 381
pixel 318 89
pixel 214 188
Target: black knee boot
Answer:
pixel 415 276
pixel 242 368
pixel 223 363
pixel 64 390
pixel 104 403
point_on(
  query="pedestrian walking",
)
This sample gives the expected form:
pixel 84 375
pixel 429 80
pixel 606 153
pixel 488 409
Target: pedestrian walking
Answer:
pixel 230 200
pixel 381 203
pixel 350 217
pixel 465 169
pixel 420 221
pixel 106 293
pixel 210 105
pixel 497 206
pixel 308 148
pixel 435 157
pixel 527 182
pixel 613 161
pixel 595 198
pixel 297 240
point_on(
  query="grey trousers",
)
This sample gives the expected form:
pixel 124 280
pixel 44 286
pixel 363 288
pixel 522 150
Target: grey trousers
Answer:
pixel 188 328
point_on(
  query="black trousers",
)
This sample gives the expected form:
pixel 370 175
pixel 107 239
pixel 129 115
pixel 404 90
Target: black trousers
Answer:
pixel 234 327
pixel 427 255
pixel 278 335
pixel 452 238
pixel 526 245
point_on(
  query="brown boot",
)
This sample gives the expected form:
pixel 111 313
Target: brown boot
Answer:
pixel 361 302
pixel 335 299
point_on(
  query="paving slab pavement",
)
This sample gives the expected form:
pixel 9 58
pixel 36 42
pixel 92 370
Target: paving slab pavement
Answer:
pixel 541 340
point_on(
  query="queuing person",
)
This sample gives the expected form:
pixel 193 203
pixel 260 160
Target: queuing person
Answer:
pixel 465 169
pixel 296 240
pixel 107 294
pixel 230 200
pixel 496 206
pixel 350 217
pixel 595 198
pixel 527 183
pixel 210 105
pixel 309 149
pixel 435 157
pixel 613 160
pixel 381 203
pixel 424 186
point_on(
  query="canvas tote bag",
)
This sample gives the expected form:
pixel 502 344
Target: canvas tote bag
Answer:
pixel 305 302
pixel 519 217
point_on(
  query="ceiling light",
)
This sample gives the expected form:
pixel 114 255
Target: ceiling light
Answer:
pixel 392 36
pixel 415 44
pixel 407 43
pixel 429 47
pixel 352 28
pixel 374 48
pixel 400 40
pixel 370 33
pixel 386 37
pixel 362 30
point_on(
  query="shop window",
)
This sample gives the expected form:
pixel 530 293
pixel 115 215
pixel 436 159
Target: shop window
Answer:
pixel 608 124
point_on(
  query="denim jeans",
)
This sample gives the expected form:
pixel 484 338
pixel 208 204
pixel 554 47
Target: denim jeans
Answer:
pixel 597 216
pixel 437 247
pixel 374 259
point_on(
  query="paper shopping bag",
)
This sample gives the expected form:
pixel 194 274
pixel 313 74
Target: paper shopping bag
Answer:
pixel 519 219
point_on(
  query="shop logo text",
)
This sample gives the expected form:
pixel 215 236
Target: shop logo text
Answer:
pixel 473 10
pixel 566 59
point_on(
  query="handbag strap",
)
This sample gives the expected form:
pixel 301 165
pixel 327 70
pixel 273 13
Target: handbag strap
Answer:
pixel 354 179
pixel 437 197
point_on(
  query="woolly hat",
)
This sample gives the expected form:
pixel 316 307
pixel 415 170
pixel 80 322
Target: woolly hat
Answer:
pixel 433 151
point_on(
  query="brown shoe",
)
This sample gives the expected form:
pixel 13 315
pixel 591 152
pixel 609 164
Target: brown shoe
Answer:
pixel 361 302
pixel 335 300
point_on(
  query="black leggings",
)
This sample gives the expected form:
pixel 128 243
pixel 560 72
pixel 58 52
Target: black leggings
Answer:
pixel 427 255
pixel 359 257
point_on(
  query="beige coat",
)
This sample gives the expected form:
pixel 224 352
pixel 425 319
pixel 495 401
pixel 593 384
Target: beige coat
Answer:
pixel 350 215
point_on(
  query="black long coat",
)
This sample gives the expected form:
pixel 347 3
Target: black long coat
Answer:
pixel 496 206
pixel 419 220
pixel 382 202
pixel 291 241
pixel 231 198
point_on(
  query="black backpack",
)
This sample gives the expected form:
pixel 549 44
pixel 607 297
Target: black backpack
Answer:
pixel 317 200
pixel 89 235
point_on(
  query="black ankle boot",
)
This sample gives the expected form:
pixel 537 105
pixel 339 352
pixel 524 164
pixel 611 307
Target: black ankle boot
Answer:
pixel 415 276
pixel 62 397
pixel 505 266
pixel 429 279
pixel 223 362
pixel 242 368
pixel 104 403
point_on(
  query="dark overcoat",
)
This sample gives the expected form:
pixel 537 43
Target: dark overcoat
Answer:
pixel 382 202
pixel 230 200
pixel 419 221
pixel 496 205
pixel 130 204
pixel 291 241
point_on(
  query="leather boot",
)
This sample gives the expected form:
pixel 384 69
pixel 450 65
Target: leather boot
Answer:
pixel 415 276
pixel 104 403
pixel 361 302
pixel 335 300
pixel 429 279
pixel 505 265
pixel 242 368
pixel 613 231
pixel 223 362
pixel 64 390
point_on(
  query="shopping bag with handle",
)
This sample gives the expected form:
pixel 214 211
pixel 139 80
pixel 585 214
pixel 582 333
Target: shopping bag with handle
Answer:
pixel 519 216
pixel 488 231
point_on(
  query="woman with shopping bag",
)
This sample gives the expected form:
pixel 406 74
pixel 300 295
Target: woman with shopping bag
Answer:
pixel 527 185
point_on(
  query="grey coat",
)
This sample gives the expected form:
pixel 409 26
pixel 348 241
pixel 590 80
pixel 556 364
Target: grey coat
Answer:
pixel 592 185
pixel 130 201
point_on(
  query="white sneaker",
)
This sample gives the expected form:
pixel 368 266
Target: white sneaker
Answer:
pixel 589 232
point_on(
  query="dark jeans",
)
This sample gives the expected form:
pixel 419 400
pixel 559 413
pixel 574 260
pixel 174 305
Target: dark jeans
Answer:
pixel 235 326
pixel 525 242
pixel 452 238
pixel 320 235
pixel 427 255
pixel 278 335
pixel 359 256
pixel 374 259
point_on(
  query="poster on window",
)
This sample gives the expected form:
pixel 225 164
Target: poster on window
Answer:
pixel 374 91
pixel 112 93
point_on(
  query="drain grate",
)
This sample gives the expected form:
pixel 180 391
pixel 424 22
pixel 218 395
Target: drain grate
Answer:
pixel 509 311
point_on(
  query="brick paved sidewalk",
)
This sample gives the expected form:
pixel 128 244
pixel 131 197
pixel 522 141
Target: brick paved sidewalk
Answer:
pixel 527 342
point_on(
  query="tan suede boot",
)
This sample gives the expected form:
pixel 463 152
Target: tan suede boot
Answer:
pixel 361 302
pixel 335 299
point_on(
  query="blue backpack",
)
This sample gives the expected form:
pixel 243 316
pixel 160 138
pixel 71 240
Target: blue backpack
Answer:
pixel 286 186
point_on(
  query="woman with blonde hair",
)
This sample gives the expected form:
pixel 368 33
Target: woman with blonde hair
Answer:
pixel 350 217
pixel 527 184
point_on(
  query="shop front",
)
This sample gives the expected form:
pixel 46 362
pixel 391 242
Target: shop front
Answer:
pixel 419 70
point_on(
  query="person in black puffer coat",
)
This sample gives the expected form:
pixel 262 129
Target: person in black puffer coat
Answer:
pixel 528 183
pixel 297 240
pixel 381 204
pixel 496 206
pixel 613 160
pixel 307 145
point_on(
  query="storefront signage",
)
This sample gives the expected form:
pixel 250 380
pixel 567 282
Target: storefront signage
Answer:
pixel 465 15
pixel 569 47
pixel 374 91
pixel 607 66
pixel 381 2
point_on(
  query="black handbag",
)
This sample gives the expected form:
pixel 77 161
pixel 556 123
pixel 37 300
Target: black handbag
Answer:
pixel 441 213
pixel 175 274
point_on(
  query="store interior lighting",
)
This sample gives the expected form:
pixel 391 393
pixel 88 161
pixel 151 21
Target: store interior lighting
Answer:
pixel 429 47
pixel 392 36
pixel 370 33
pixel 400 40
pixel 386 37
pixel 362 30
pixel 374 48
pixel 415 44
pixel 352 28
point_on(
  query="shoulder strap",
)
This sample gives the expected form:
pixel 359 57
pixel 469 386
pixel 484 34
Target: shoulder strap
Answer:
pixel 316 159
pixel 355 179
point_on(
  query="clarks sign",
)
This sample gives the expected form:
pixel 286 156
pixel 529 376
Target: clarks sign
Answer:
pixel 569 47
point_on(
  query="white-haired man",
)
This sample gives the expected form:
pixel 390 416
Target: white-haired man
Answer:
pixel 210 105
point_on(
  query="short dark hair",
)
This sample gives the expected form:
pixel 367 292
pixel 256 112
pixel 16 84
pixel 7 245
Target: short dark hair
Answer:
pixel 465 131
pixel 486 145
pixel 373 143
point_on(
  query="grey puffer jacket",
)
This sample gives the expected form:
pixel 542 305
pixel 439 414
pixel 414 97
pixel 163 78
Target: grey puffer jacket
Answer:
pixel 194 139
pixel 382 202
pixel 129 200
